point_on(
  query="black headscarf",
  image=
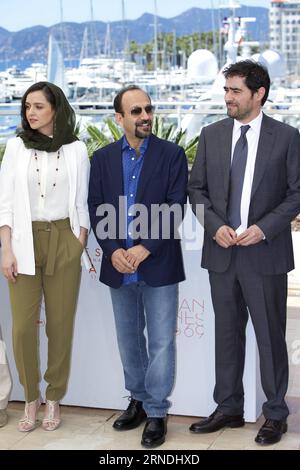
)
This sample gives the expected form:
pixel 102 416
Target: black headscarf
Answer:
pixel 64 120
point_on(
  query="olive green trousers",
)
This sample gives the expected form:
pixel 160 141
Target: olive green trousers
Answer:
pixel 57 279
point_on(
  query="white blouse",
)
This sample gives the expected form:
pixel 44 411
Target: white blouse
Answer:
pixel 48 185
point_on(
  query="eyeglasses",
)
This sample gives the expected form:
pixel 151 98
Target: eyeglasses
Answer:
pixel 149 109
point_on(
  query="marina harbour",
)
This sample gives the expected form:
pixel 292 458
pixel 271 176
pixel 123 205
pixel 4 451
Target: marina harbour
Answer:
pixel 189 95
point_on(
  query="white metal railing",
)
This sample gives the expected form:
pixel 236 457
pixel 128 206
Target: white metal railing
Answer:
pixel 164 107
pixel 290 112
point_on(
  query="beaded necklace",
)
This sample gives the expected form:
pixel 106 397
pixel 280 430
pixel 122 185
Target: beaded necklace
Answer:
pixel 38 172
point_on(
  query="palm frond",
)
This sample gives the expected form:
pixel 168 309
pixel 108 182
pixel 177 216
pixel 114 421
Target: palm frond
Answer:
pixel 92 146
pixel 97 135
pixel 191 152
pixel 98 139
pixel 77 128
pixel 155 125
pixel 114 129
pixel 192 143
pixel 169 131
pixel 179 138
pixel 2 150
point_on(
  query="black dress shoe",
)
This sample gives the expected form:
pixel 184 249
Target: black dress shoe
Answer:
pixel 132 417
pixel 216 421
pixel 271 431
pixel 154 432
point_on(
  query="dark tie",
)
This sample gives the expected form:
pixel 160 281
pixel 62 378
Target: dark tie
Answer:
pixel 237 175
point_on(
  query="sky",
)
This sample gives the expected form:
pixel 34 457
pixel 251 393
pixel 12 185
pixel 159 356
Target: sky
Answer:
pixel 19 14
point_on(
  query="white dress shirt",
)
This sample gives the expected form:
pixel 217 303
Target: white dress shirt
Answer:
pixel 252 137
pixel 48 202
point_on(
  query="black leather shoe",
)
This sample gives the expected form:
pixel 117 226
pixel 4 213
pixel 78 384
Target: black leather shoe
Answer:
pixel 132 417
pixel 154 432
pixel 271 431
pixel 216 421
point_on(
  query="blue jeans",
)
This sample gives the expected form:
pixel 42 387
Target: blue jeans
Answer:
pixel 149 367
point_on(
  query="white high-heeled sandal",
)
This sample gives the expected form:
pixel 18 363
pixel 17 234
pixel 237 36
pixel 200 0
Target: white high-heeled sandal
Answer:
pixel 29 420
pixel 52 418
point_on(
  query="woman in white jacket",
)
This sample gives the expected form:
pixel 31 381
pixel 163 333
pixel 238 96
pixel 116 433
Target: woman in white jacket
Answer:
pixel 43 228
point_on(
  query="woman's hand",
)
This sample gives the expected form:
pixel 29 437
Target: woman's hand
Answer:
pixel 83 236
pixel 9 265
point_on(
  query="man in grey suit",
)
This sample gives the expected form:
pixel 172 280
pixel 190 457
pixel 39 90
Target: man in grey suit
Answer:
pixel 247 175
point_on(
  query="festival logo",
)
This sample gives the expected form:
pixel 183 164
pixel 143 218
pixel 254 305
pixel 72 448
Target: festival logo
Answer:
pixel 190 321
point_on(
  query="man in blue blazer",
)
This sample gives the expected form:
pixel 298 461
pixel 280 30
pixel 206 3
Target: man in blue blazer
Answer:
pixel 141 181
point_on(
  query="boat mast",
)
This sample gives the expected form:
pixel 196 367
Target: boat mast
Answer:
pixel 155 48
pixel 61 27
pixel 174 50
pixel 231 45
pixel 94 42
pixel 125 33
pixel 125 42
pixel 107 41
pixel 213 25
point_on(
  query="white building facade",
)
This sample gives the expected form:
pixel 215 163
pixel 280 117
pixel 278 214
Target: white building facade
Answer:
pixel 284 19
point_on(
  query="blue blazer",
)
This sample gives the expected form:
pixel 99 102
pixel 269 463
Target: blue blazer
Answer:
pixel 163 180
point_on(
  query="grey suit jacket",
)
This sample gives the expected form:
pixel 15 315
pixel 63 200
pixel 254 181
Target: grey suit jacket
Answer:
pixel 275 195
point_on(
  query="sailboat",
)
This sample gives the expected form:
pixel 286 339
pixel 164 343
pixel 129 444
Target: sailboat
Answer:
pixel 56 68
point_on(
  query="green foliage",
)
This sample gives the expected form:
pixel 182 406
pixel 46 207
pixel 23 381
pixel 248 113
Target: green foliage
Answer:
pixel 114 129
pixel 2 149
pixel 172 48
pixel 191 148
pixel 158 127
pixel 77 129
pixel 98 139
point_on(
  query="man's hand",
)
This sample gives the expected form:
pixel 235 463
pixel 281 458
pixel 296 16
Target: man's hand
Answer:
pixel 136 255
pixel 251 236
pixel 120 263
pixel 225 236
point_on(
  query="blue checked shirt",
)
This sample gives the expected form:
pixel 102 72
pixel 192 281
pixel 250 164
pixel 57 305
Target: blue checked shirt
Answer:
pixel 132 167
